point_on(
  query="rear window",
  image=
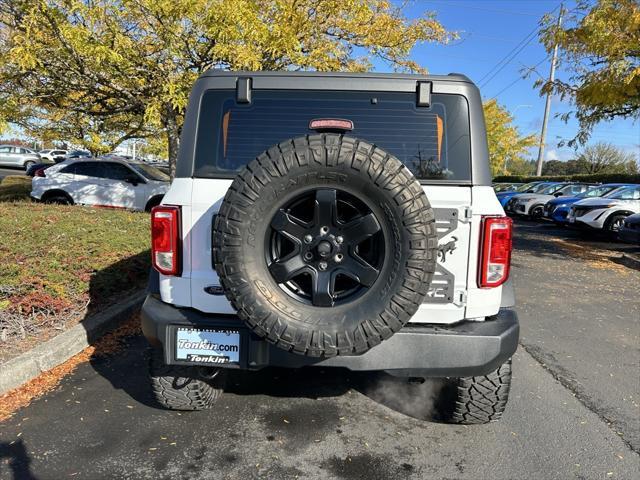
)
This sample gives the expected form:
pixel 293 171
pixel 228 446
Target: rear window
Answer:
pixel 432 142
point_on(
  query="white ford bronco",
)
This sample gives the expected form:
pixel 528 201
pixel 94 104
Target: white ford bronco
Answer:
pixel 333 220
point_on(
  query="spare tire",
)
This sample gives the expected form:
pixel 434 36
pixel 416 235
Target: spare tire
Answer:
pixel 325 245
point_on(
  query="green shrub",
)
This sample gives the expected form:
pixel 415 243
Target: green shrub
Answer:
pixel 588 178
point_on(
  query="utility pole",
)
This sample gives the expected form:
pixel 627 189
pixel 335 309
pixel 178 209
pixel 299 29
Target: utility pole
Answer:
pixel 547 106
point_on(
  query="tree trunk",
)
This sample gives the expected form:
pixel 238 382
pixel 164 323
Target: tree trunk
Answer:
pixel 172 130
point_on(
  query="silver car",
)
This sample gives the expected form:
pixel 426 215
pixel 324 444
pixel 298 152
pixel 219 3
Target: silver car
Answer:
pixel 14 156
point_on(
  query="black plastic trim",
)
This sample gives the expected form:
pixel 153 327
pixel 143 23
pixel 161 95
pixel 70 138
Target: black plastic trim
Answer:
pixel 243 90
pixel 463 349
pixel 508 294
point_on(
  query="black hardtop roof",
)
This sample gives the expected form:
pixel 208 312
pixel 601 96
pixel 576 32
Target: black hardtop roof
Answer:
pixel 451 77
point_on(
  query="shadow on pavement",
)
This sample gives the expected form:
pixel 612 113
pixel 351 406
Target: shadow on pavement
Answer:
pixel 127 371
pixel 583 236
pixel 423 399
pixel 17 458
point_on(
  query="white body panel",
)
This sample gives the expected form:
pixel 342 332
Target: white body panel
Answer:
pixel 94 191
pixel 598 217
pixel 200 200
pixel 49 155
pixel 528 200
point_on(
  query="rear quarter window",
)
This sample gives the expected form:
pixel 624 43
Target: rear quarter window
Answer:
pixel 433 142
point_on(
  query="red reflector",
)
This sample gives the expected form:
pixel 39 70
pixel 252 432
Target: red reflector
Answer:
pixel 495 253
pixel 331 124
pixel 165 239
pixel 40 173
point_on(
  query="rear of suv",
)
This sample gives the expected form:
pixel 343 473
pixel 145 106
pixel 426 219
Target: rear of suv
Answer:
pixel 333 220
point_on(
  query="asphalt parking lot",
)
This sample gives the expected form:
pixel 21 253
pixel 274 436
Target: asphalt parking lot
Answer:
pixel 574 409
pixel 5 172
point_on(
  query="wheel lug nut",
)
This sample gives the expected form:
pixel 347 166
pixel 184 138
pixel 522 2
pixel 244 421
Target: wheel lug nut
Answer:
pixel 339 239
pixel 308 256
pixel 322 265
pixel 308 239
pixel 338 257
pixel 324 230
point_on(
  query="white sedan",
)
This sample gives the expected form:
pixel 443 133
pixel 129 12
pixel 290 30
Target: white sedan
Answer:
pixel 532 204
pixel 50 155
pixel 606 213
pixel 101 183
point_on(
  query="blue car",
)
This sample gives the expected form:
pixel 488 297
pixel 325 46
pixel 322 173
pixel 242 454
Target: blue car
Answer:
pixel 558 208
pixel 533 187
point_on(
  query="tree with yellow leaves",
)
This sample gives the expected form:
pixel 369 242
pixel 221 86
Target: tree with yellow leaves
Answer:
pixel 101 72
pixel 600 45
pixel 507 147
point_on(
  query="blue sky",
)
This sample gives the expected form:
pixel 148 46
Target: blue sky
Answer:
pixel 489 30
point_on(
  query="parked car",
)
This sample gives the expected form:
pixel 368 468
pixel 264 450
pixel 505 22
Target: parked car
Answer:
pixel 36 167
pixel 289 239
pixel 31 171
pixel 547 189
pixel 558 208
pixel 531 187
pixel 606 213
pixel 630 230
pixel 77 154
pixel 13 156
pixel 532 204
pixel 163 167
pixel 50 155
pixel 506 187
pixel 102 183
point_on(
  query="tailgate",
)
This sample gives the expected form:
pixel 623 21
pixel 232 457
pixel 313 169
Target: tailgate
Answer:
pixel 446 299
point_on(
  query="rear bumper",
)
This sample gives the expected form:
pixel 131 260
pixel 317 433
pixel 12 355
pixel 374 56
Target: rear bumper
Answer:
pixel 464 349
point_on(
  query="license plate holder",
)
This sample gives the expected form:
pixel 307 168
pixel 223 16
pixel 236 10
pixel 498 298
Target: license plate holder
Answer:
pixel 207 345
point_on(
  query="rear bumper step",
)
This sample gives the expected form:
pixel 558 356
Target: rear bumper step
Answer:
pixel 461 350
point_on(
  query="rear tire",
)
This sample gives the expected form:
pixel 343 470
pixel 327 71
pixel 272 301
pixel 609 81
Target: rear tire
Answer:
pixel 536 212
pixel 179 387
pixel 153 202
pixel 613 224
pixel 57 198
pixel 298 300
pixel 482 399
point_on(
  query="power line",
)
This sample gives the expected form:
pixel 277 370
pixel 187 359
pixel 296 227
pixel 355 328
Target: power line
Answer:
pixel 530 34
pixel 512 53
pixel 519 78
pixel 508 61
pixel 484 9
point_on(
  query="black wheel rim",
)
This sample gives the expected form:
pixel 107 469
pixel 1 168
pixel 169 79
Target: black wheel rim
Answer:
pixel 325 247
pixel 616 224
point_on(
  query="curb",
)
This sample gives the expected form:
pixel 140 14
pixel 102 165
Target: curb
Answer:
pixel 60 348
pixel 630 260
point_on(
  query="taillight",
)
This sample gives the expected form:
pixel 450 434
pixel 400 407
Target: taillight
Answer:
pixel 495 251
pixel 40 173
pixel 165 239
